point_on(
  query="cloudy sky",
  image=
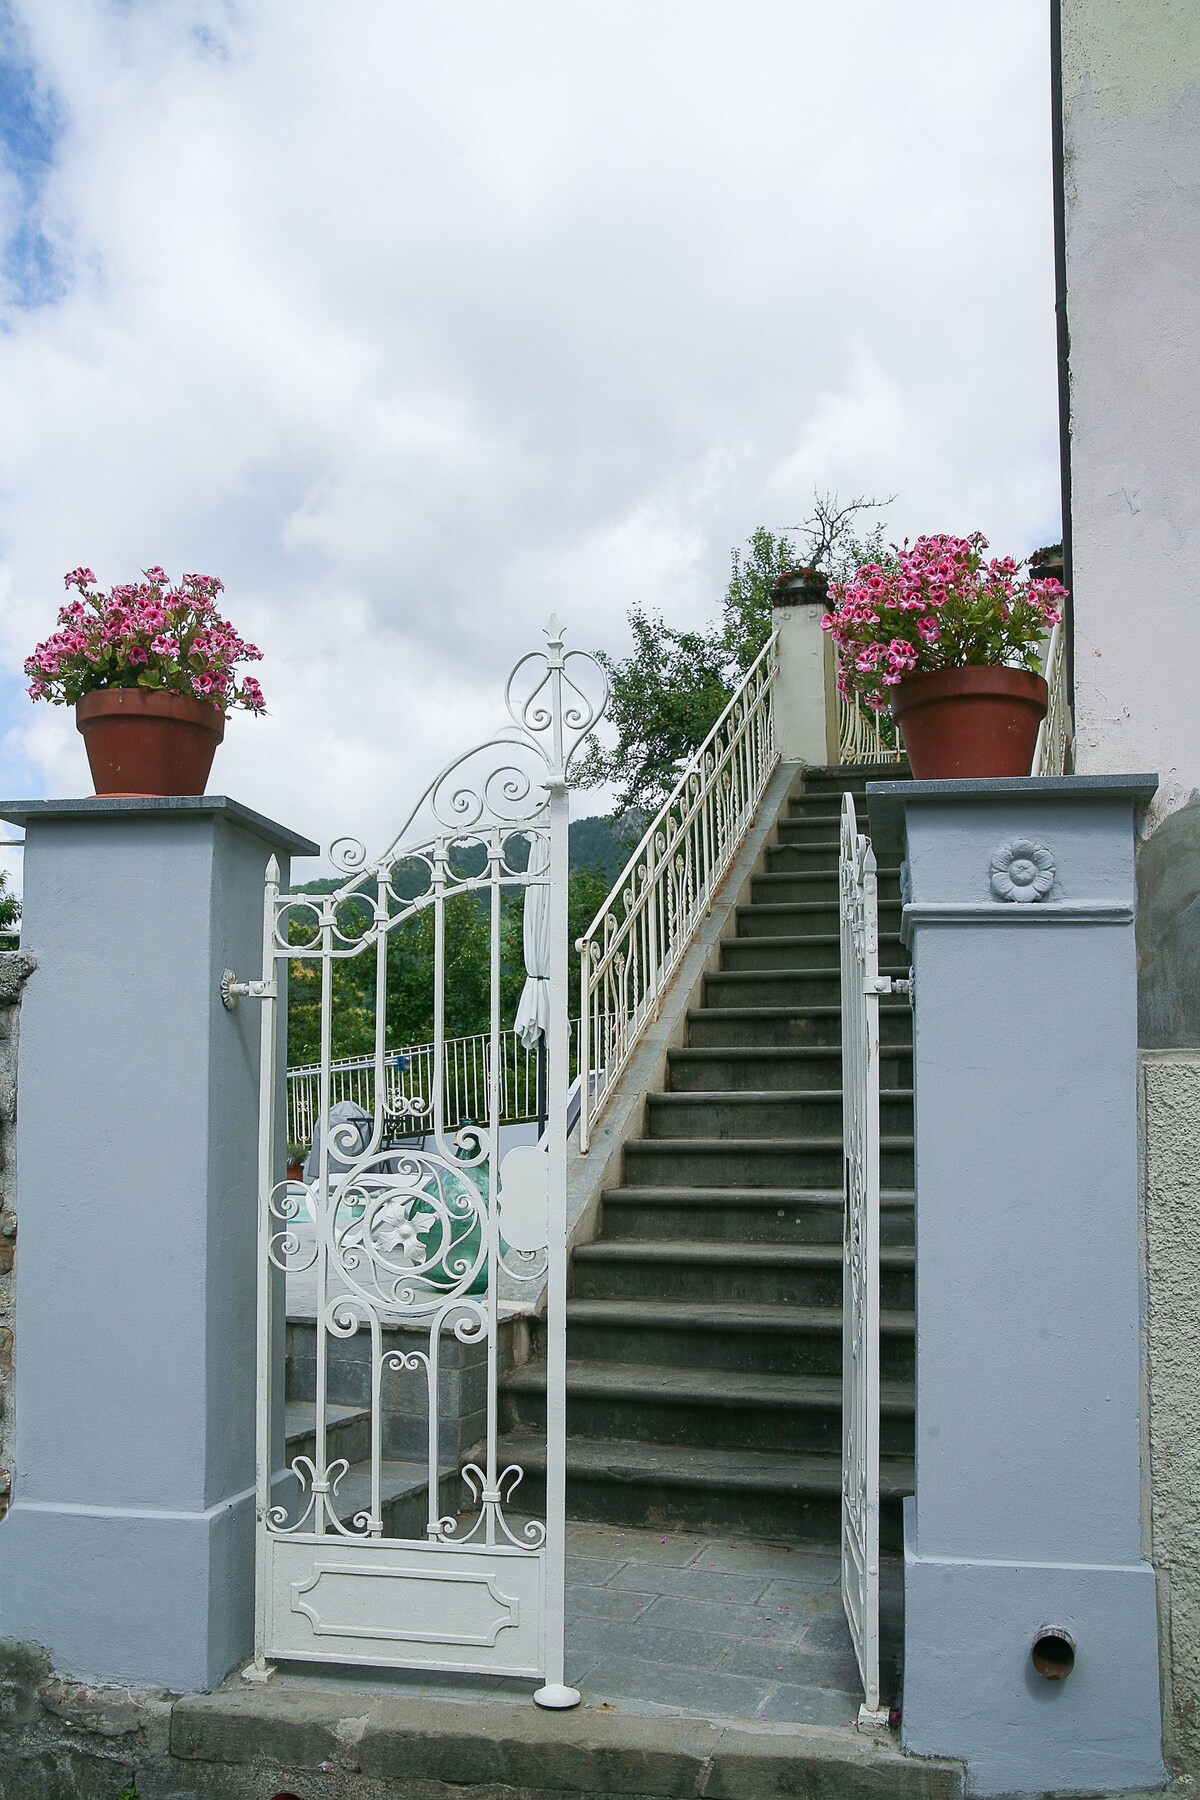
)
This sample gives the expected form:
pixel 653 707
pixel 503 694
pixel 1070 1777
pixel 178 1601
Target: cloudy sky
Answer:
pixel 414 322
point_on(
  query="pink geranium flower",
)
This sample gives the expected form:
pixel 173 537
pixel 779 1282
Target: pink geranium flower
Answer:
pixel 937 604
pixel 147 634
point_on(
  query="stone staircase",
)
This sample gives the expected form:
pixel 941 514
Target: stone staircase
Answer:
pixel 705 1322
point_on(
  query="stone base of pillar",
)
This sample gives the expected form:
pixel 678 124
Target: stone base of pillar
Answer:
pixel 976 1623
pixel 113 1594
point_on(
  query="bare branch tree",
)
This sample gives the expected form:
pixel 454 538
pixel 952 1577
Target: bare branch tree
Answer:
pixel 830 525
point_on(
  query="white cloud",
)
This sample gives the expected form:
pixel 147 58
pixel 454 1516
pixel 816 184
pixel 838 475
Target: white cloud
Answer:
pixel 415 323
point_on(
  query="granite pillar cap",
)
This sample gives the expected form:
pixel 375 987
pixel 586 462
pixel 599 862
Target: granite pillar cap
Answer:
pixel 888 801
pixel 184 806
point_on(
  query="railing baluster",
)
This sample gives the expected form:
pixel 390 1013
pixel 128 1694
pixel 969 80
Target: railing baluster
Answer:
pixel 628 955
pixel 1053 749
pixel 465 1081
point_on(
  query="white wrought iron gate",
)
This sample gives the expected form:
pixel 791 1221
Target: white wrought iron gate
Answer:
pixel 408 1235
pixel 862 985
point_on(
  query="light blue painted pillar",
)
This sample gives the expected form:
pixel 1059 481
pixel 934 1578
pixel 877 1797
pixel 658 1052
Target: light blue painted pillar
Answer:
pixel 1019 907
pixel 128 1549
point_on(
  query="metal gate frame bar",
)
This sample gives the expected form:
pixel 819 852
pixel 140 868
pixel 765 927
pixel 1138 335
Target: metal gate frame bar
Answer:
pixel 861 987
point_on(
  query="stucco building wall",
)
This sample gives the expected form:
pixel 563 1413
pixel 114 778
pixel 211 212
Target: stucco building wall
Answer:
pixel 1170 1108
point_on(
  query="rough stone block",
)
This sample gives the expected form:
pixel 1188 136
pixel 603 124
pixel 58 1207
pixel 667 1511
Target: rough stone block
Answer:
pixel 505 1746
pixel 109 1712
pixel 23 1669
pixel 279 1726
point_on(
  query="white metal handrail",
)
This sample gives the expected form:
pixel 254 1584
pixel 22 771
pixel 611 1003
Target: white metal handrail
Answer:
pixel 859 737
pixel 1052 753
pixel 641 933
pixel 408 1084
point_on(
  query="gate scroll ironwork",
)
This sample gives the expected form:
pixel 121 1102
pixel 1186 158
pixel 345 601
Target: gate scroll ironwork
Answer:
pixel 412 1233
pixel 861 985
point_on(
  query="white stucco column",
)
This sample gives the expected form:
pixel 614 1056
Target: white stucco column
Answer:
pixel 806 723
pixel 1131 130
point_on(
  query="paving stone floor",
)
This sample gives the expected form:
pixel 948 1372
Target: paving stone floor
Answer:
pixel 690 1624
pixel 697 1624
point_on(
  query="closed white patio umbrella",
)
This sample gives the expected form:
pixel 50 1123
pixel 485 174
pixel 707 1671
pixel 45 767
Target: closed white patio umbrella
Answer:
pixel 532 1020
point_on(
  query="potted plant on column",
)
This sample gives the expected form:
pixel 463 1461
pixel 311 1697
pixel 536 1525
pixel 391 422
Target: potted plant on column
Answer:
pixel 151 670
pixel 950 639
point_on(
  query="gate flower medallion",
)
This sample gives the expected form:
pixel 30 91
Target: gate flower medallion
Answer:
pixel 1022 871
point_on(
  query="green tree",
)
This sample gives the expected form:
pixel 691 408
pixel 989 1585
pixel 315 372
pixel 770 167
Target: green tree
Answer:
pixel 664 699
pixel 746 608
pixel 669 692
pixel 10 915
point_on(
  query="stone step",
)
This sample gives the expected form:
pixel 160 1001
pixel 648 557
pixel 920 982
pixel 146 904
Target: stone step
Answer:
pixel 796 830
pixel 767 1113
pixel 749 1215
pixel 800 988
pixel 779 886
pixel 836 779
pixel 403 1391
pixel 702 1408
pixel 805 850
pixel 810 1161
pixel 704 1324
pixel 804 918
pixel 794 856
pixel 404 1490
pixel 756 1067
pixel 698 1269
pixel 403 1487
pixel 772 1339
pixel 347 1431
pixel 746 1016
pixel 755 1493
pixel 817 950
pixel 481 1740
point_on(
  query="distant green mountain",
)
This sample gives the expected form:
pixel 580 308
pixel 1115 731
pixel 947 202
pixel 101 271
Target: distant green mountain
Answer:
pixel 605 845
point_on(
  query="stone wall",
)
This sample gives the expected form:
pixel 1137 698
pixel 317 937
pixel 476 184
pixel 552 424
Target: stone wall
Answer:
pixel 1171 1139
pixel 15 969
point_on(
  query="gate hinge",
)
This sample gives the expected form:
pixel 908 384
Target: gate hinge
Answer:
pixel 887 984
pixel 232 990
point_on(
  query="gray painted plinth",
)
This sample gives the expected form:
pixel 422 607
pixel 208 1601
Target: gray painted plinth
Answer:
pixel 1027 1513
pixel 128 1551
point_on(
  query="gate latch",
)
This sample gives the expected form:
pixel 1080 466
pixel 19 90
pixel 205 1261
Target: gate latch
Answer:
pixel 232 990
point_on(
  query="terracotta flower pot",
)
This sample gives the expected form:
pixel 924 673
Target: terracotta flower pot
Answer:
pixel 143 742
pixel 976 721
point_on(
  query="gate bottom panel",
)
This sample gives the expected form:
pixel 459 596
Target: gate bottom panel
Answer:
pixel 405 1605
